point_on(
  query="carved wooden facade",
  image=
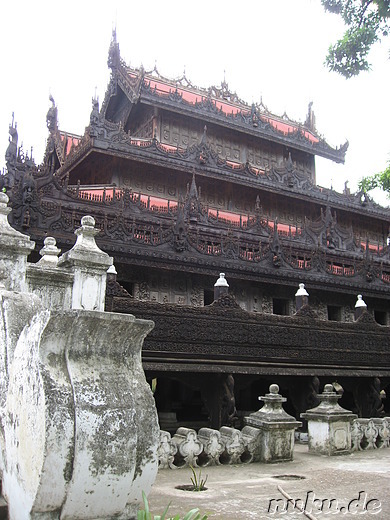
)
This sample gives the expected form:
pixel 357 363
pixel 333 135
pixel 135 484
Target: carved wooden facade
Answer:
pixel 185 182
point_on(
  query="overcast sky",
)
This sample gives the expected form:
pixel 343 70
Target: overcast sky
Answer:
pixel 272 49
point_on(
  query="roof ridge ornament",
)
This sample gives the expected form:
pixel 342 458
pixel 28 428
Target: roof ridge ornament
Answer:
pixel 52 117
pixel 310 121
pixel 12 149
pixel 113 60
pixel 94 117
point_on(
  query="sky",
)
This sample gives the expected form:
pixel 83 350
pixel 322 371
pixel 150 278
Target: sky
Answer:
pixel 272 50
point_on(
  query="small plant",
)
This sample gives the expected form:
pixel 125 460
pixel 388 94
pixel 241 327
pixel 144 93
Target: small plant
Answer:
pixel 145 513
pixel 197 481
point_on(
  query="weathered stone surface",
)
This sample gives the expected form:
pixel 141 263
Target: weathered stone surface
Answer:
pixel 89 264
pixel 383 431
pixel 81 433
pixel 78 423
pixel 234 445
pixel 14 249
pixel 52 284
pixel 16 311
pixel 356 436
pixel 188 447
pixel 166 451
pixel 276 442
pixel 252 438
pixel 329 425
pixel 212 447
pixel 370 433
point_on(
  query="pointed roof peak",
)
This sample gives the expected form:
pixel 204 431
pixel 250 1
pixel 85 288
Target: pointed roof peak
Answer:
pixel 193 189
pixel 113 52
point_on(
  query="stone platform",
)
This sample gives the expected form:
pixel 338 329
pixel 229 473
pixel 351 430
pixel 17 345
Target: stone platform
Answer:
pixel 251 491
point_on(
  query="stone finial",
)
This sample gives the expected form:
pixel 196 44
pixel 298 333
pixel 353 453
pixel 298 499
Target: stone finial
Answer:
pixel 273 409
pixel 221 286
pixel 85 249
pixel 301 297
pixel 86 235
pixel 49 253
pixel 329 396
pixel 360 306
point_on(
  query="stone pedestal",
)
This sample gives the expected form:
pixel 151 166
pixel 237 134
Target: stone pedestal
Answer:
pixel 89 264
pixel 276 442
pixel 80 425
pixel 329 425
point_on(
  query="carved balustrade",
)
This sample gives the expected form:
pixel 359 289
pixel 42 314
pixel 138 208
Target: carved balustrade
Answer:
pixel 229 446
pixel 370 434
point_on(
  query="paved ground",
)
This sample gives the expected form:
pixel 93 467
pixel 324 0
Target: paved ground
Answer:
pixel 359 484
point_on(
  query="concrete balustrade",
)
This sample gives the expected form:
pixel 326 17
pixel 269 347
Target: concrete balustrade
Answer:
pixel 249 445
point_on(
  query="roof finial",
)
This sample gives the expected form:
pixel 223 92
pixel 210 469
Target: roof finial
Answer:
pixel 51 116
pixel 113 52
pixel 310 118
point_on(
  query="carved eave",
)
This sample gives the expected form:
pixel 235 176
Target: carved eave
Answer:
pixel 42 206
pixel 219 106
pixel 251 342
pixel 122 94
pixel 111 139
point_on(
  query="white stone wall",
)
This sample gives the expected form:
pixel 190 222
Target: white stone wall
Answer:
pixel 78 423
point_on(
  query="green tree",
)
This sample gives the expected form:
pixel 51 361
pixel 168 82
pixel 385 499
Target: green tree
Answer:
pixel 367 21
pixel 378 180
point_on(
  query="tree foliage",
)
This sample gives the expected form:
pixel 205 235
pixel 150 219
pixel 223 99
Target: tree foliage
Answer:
pixel 378 180
pixel 367 21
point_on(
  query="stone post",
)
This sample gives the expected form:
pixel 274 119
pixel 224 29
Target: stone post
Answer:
pixel 90 265
pixel 277 428
pixel 360 307
pixel 221 287
pixel 301 297
pixel 329 425
pixel 14 250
